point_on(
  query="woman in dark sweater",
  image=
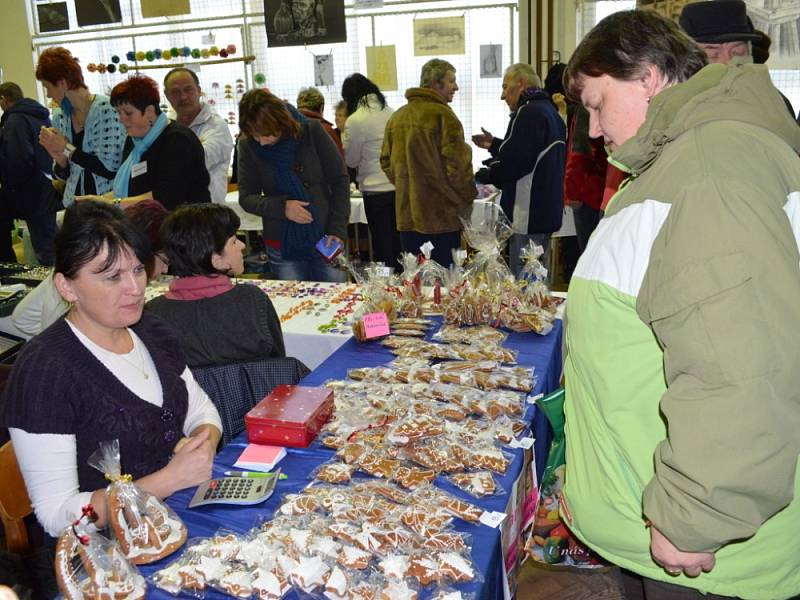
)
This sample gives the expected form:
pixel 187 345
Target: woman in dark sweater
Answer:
pixel 217 322
pixel 162 160
pixel 104 372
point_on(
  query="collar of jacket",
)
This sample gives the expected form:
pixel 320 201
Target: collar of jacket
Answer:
pixel 425 95
pixel 738 92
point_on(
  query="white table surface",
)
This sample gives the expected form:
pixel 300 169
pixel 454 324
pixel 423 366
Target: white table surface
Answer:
pixel 315 317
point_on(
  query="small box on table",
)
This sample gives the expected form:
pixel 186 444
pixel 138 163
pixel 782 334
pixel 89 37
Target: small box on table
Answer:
pixel 290 415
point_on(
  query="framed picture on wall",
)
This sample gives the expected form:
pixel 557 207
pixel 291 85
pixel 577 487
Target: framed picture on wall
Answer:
pixel 304 22
pixel 52 16
pixel 97 12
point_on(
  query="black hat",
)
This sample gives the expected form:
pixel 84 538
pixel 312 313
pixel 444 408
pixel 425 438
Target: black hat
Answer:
pixel 717 21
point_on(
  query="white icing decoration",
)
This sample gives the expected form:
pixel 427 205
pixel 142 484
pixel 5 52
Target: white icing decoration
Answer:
pixel 395 565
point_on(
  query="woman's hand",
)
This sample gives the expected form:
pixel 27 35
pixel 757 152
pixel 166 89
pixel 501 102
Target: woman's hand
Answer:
pixel 677 562
pixel 295 211
pixel 191 464
pixel 52 140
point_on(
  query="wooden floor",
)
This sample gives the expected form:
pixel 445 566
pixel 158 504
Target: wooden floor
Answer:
pixel 541 583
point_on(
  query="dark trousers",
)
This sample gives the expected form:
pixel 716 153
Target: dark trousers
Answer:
pixel 6 249
pixel 382 223
pixel 586 219
pixel 443 244
pixel 641 588
pixel 42 230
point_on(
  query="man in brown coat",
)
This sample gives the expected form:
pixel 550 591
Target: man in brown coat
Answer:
pixel 427 159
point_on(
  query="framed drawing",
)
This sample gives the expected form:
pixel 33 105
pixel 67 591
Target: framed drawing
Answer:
pixel 382 67
pixel 491 61
pixel 165 8
pixel 53 16
pixel 444 35
pixel 304 22
pixel 97 12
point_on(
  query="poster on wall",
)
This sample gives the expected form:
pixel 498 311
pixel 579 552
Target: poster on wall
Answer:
pixel 443 35
pixel 782 27
pixel 52 16
pixel 304 22
pixel 491 60
pixel 382 67
pixel 165 8
pixel 97 12
pixel 323 69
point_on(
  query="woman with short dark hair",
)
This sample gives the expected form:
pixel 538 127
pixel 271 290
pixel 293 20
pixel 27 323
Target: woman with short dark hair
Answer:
pixel 363 139
pixel 216 321
pixel 162 160
pixel 682 404
pixel 291 174
pixel 86 139
pixel 104 372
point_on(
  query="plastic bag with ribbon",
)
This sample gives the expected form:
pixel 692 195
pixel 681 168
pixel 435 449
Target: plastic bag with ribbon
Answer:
pixel 488 238
pixel 89 565
pixel 146 528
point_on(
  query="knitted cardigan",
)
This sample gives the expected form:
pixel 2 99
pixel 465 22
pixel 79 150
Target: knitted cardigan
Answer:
pixel 104 137
pixel 58 386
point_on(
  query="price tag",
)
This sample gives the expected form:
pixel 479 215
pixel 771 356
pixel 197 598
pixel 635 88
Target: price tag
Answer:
pixel 525 443
pixel 383 271
pixel 426 249
pixel 375 325
pixel 209 39
pixel 492 518
pixel 533 399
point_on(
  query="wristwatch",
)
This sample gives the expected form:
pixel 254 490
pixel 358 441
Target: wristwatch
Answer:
pixel 69 150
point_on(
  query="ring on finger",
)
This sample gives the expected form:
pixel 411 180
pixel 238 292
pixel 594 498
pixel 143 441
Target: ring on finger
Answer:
pixel 673 571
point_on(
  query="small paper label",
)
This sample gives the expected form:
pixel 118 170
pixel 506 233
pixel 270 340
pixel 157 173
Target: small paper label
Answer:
pixel 209 39
pixel 383 271
pixel 375 325
pixel 139 169
pixel 492 518
pixel 525 443
pixel 426 249
pixel 533 399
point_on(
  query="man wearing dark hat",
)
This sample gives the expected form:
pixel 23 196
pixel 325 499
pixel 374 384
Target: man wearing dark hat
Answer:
pixel 724 31
pixel 720 27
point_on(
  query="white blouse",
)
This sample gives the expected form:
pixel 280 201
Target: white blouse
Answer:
pixel 49 461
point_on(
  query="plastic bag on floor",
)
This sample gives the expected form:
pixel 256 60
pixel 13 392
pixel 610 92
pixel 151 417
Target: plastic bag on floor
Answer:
pixel 550 541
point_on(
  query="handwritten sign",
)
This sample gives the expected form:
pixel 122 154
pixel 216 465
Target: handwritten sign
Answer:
pixel 375 325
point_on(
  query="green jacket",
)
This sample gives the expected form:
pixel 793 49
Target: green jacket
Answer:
pixel 426 158
pixel 683 341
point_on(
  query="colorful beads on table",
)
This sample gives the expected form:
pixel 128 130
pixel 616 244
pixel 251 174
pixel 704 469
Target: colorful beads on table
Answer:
pixel 295 310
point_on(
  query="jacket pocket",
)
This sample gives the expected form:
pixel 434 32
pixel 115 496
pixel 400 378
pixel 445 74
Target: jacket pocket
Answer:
pixel 708 317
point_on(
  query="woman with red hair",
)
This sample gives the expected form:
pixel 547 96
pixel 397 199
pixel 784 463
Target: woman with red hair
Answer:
pixel 162 159
pixel 86 139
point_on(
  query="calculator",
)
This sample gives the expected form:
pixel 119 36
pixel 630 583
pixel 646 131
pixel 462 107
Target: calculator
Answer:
pixel 235 490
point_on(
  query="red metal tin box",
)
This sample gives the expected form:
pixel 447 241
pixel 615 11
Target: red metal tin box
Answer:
pixel 290 415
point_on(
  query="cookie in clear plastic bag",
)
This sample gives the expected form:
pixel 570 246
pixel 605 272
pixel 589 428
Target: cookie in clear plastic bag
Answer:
pixel 146 528
pixel 89 565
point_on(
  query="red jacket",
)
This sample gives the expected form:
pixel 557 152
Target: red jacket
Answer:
pixel 588 178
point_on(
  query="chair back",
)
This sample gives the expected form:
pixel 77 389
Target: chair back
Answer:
pixel 14 502
pixel 236 388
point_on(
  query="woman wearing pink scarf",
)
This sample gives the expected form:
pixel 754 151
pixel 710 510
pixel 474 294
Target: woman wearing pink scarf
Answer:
pixel 216 321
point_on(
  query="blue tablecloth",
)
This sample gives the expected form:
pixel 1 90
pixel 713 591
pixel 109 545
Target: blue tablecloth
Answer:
pixel 544 353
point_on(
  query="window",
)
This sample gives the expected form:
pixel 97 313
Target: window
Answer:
pixel 286 70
